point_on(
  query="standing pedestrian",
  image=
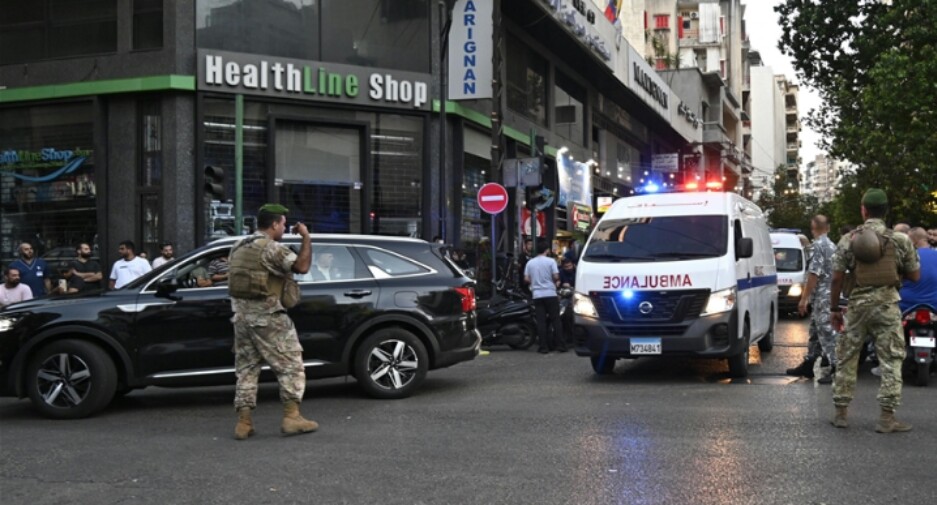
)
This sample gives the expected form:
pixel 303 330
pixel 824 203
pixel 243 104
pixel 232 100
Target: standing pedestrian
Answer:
pixel 12 290
pixel 263 332
pixel 129 267
pixel 34 272
pixel 543 276
pixel 879 258
pixel 822 341
pixel 87 269
pixel 165 255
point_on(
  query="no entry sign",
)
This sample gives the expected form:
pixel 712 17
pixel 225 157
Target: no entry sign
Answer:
pixel 493 198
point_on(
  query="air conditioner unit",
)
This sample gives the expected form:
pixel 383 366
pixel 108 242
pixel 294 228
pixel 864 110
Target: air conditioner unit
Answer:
pixel 694 15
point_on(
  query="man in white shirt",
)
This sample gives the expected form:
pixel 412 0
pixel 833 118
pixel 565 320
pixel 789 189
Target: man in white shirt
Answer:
pixel 12 291
pixel 543 275
pixel 165 255
pixel 129 267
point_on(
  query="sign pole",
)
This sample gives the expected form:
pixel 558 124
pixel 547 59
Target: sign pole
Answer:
pixel 239 164
pixel 493 199
pixel 494 257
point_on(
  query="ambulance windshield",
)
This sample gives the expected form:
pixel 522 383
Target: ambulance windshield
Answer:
pixel 672 238
pixel 789 260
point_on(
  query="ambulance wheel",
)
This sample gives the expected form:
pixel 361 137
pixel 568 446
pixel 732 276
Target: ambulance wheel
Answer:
pixel 766 344
pixel 738 364
pixel 603 365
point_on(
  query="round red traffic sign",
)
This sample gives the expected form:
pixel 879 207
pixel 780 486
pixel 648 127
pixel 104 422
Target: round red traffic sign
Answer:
pixel 493 198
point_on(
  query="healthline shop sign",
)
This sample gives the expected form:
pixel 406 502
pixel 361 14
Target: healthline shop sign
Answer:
pixel 313 81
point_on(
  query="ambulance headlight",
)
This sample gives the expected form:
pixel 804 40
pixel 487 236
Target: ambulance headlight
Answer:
pixel 720 301
pixel 583 306
pixel 795 291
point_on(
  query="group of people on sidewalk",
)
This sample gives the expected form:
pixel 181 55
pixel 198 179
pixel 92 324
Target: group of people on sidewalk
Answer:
pixel 877 269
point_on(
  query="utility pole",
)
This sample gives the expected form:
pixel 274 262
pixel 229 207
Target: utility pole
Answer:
pixel 497 144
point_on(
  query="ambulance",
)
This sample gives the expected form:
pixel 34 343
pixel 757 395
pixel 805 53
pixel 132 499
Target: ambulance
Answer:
pixel 689 274
pixel 791 261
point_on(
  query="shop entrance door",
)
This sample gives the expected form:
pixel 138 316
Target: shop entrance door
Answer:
pixel 319 174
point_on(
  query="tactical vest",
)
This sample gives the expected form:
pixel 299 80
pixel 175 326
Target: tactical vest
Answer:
pixel 247 278
pixel 884 272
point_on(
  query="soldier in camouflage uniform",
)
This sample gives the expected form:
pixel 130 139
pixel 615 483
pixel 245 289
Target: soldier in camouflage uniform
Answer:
pixel 817 292
pixel 263 332
pixel 872 310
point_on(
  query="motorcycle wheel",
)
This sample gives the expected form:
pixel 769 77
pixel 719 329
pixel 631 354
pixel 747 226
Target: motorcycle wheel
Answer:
pixel 530 334
pixel 923 375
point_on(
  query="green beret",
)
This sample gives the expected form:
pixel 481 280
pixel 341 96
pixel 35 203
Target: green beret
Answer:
pixel 274 208
pixel 875 197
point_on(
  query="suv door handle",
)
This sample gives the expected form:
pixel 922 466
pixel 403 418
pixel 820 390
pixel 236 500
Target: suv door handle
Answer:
pixel 358 293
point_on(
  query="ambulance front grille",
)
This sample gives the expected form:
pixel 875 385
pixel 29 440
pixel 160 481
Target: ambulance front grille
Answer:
pixel 666 306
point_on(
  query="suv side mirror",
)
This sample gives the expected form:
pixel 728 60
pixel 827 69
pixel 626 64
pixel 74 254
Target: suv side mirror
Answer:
pixel 166 287
pixel 744 248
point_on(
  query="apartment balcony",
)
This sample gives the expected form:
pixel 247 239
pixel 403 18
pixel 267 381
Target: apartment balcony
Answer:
pixel 791 109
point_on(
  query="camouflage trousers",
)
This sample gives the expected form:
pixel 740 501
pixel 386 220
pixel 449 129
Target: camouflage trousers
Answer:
pixel 883 323
pixel 270 339
pixel 822 335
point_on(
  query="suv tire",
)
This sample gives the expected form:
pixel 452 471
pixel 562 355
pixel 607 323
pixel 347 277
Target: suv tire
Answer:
pixel 391 363
pixel 70 379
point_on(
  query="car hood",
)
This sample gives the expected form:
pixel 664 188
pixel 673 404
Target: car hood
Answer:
pixel 58 301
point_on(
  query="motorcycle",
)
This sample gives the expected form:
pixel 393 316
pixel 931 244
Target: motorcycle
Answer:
pixel 507 319
pixel 920 323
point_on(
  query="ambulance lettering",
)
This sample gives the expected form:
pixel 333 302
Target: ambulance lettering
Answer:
pixel 647 281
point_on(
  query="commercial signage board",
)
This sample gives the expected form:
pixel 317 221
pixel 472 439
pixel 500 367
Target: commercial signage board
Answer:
pixel 603 203
pixel 648 84
pixel 575 180
pixel 268 76
pixel 665 162
pixel 470 42
pixel 580 217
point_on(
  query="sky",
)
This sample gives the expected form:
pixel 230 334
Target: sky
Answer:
pixel 764 32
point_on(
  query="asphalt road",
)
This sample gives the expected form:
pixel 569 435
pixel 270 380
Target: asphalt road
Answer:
pixel 510 427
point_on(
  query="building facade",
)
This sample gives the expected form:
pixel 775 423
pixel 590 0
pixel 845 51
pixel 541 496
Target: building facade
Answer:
pixel 768 145
pixel 333 109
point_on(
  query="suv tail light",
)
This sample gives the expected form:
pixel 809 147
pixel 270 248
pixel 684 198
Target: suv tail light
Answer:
pixel 468 298
pixel 922 316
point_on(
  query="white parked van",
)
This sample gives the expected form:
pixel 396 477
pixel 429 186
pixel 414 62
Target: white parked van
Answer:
pixel 677 274
pixel 791 263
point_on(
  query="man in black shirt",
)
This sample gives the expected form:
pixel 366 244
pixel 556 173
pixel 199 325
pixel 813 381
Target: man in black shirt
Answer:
pixel 87 269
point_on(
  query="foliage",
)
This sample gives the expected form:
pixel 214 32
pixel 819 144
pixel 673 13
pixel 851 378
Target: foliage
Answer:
pixel 785 206
pixel 874 65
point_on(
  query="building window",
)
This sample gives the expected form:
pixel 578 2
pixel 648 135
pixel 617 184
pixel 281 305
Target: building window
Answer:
pixel 397 171
pixel 147 24
pixel 372 33
pixel 48 193
pixel 662 21
pixel 569 111
pixel 44 29
pixel 151 173
pixel 527 81
pixel 660 64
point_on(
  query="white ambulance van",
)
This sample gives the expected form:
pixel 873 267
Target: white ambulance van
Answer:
pixel 791 263
pixel 677 274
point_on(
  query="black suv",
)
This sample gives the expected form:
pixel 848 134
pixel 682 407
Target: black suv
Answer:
pixel 384 310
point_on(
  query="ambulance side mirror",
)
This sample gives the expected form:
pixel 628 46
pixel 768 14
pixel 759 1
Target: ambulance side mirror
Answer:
pixel 744 248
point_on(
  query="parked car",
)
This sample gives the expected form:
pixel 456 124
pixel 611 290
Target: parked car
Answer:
pixel 70 355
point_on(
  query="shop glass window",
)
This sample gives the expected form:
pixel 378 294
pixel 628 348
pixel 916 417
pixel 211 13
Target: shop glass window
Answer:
pixel 218 150
pixel 44 29
pixel 147 24
pixel 569 111
pixel 397 174
pixel 473 221
pixel 48 193
pixel 526 81
pixel 393 34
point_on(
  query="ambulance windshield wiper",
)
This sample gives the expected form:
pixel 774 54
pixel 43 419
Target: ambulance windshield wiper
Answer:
pixel 615 258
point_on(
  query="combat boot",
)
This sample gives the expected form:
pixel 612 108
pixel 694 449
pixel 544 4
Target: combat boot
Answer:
pixel 805 369
pixel 828 378
pixel 839 420
pixel 293 422
pixel 888 424
pixel 245 426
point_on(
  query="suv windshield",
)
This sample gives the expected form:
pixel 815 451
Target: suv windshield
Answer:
pixel 659 238
pixel 789 259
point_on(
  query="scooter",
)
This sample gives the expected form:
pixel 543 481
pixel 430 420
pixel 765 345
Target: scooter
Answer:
pixel 919 324
pixel 507 319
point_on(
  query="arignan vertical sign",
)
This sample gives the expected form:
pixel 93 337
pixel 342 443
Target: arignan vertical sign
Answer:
pixel 470 50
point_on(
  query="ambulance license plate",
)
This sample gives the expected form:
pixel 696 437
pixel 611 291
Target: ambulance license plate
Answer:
pixel 645 346
pixel 915 342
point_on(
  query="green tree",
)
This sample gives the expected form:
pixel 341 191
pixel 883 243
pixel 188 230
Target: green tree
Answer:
pixel 785 205
pixel 874 65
